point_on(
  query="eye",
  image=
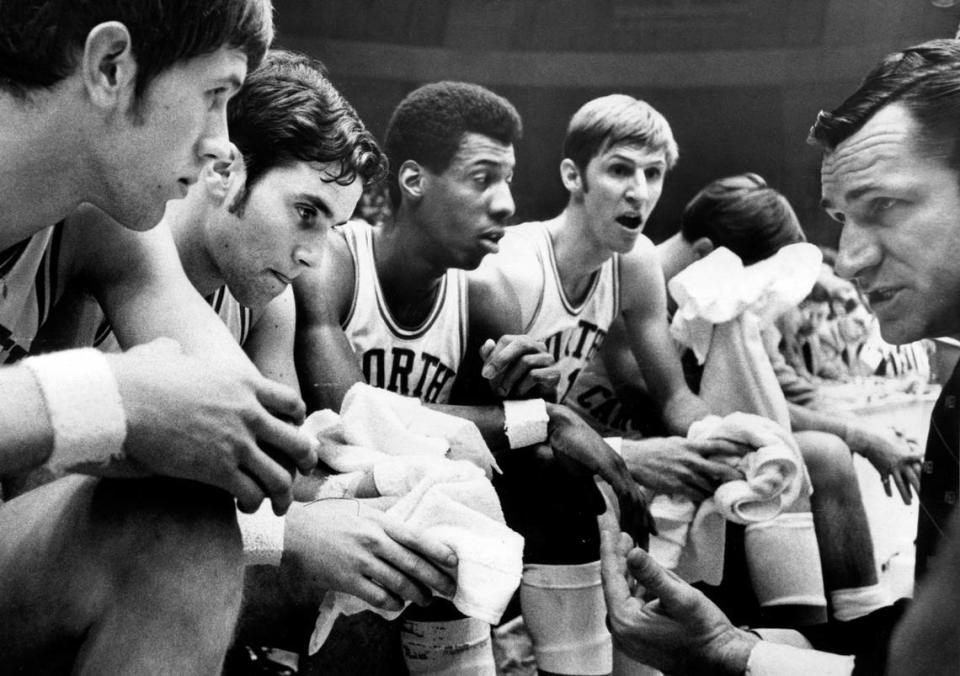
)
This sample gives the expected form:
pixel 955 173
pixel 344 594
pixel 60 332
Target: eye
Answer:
pixel 621 170
pixel 307 214
pixel 483 179
pixel 653 173
pixel 881 204
pixel 838 216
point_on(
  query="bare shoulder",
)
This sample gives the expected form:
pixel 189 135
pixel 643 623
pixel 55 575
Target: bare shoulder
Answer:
pixel 514 273
pixel 104 251
pixel 641 277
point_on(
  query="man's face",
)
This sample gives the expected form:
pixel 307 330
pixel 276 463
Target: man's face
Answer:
pixel 813 314
pixel 619 189
pixel 156 154
pixel 900 211
pixel 464 209
pixel 284 223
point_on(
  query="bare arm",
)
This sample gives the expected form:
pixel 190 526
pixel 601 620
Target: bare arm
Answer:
pixel 644 302
pixel 206 414
pixel 269 344
pixel 26 437
pixel 888 451
pixel 326 364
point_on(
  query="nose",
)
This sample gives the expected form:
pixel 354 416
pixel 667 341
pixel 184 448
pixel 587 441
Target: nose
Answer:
pixel 215 143
pixel 501 203
pixel 638 190
pixel 858 251
pixel 307 254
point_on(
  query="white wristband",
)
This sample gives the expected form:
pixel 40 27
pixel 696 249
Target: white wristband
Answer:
pixel 525 422
pixel 262 534
pixel 84 406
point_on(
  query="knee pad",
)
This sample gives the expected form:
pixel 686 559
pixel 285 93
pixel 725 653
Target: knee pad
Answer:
pixel 564 611
pixel 784 561
pixel 452 648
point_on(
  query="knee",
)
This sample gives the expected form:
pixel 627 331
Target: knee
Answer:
pixel 829 462
pixel 159 532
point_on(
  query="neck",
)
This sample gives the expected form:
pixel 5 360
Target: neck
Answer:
pixel 408 277
pixel 45 170
pixel 187 219
pixel 578 255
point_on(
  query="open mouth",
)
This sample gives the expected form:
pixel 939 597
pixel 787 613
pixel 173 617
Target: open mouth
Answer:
pixel 630 222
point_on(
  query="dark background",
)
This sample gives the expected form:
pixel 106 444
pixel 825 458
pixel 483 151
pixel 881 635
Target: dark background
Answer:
pixel 740 81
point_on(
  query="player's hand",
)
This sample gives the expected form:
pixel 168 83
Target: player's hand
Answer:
pixel 677 466
pixel 349 546
pixel 575 442
pixel 519 367
pixel 192 420
pixel 892 455
pixel 681 631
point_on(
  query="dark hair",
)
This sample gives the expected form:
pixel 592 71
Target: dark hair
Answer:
pixel 925 78
pixel 430 122
pixel 614 119
pixel 41 40
pixel 288 111
pixel 743 214
pixel 818 294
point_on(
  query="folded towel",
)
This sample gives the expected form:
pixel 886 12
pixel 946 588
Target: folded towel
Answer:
pixel 451 500
pixel 718 288
pixel 774 477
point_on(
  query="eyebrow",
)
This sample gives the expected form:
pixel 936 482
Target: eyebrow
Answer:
pixel 850 195
pixel 230 80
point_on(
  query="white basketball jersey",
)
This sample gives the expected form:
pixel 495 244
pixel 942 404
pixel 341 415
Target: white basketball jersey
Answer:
pixel 29 287
pixel 237 318
pixel 418 362
pixel 573 332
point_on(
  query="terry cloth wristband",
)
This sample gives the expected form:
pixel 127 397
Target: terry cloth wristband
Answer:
pixel 525 422
pixel 84 407
pixel 262 535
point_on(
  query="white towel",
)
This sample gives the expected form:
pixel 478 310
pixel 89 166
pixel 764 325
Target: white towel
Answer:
pixel 718 288
pixel 775 477
pixel 451 500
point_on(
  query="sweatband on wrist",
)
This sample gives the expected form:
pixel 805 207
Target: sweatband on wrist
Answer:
pixel 525 422
pixel 773 659
pixel 84 407
pixel 262 535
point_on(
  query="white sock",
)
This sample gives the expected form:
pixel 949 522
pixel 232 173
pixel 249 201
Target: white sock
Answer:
pixel 452 648
pixel 849 604
pixel 564 611
pixel 784 561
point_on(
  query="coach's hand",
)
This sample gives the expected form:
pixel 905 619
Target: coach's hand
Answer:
pixel 571 439
pixel 346 545
pixel 211 423
pixel 519 367
pixel 677 466
pixel 681 631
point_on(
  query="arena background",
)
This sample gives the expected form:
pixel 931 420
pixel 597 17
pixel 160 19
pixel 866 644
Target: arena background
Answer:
pixel 740 81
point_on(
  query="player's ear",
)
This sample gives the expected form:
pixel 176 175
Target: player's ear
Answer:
pixel 702 248
pixel 410 177
pixel 220 177
pixel 570 175
pixel 107 65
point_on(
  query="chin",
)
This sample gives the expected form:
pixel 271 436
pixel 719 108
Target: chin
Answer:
pixel 901 332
